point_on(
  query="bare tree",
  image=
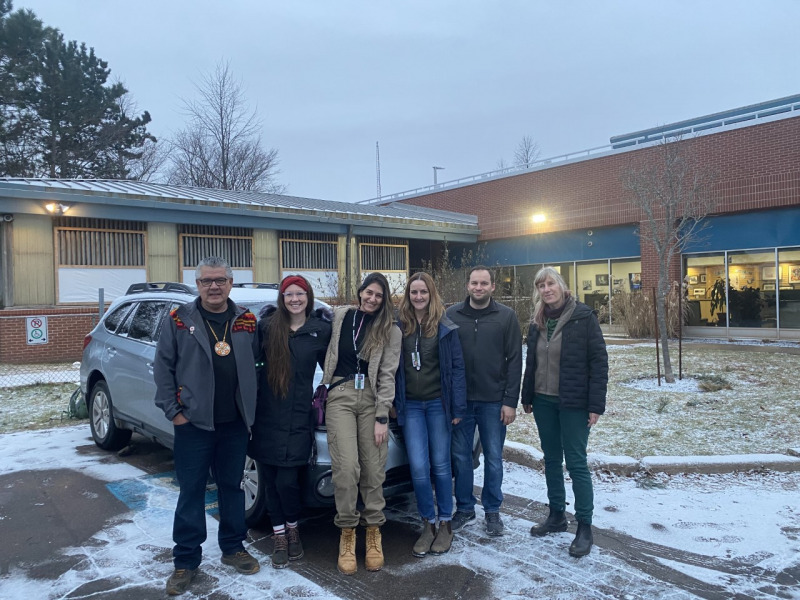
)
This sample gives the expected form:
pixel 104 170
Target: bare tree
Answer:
pixel 221 147
pixel 526 153
pixel 674 192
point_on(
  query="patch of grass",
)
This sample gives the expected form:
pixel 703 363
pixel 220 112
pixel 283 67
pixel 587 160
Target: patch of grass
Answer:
pixel 713 383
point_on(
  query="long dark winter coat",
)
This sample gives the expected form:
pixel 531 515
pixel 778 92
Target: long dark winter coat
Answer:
pixel 583 376
pixel 283 429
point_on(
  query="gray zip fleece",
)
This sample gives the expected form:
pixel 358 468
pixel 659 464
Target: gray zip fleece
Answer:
pixel 184 372
pixel 548 355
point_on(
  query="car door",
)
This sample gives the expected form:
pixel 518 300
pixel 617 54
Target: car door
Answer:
pixel 130 378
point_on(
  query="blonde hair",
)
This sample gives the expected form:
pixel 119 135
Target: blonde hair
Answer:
pixel 430 323
pixel 544 273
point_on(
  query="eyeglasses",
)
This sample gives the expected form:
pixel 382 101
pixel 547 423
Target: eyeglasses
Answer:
pixel 220 281
pixel 290 295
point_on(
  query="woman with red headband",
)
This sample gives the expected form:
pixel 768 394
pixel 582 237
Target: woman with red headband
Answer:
pixel 292 340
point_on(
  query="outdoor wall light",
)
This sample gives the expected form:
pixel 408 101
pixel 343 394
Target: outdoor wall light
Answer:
pixel 57 209
pixel 538 218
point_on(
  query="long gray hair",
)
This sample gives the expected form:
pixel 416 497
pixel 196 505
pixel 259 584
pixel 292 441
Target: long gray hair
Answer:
pixel 538 317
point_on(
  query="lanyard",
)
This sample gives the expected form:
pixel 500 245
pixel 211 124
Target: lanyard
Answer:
pixel 356 332
pixel 416 357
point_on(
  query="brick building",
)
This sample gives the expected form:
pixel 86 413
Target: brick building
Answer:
pixel 587 227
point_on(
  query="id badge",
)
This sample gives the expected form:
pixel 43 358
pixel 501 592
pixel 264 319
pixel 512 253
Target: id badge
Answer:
pixel 415 361
pixel 359 381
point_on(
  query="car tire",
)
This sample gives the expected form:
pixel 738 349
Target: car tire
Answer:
pixel 255 494
pixel 105 432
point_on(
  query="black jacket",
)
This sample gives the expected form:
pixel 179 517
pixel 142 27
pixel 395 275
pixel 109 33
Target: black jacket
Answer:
pixel 583 377
pixel 283 429
pixel 492 346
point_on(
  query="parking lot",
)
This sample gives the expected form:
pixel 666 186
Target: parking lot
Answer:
pixel 77 522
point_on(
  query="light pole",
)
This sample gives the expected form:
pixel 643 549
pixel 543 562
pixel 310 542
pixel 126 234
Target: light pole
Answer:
pixel 434 174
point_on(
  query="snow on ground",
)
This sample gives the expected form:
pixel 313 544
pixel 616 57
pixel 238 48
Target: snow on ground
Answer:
pixel 751 519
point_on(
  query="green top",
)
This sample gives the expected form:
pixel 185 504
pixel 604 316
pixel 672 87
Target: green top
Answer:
pixel 551 327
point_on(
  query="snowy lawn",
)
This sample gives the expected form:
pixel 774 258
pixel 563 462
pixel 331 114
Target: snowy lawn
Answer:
pixel 758 414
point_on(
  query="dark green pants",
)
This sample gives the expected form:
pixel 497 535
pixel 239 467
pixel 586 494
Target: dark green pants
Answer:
pixel 564 434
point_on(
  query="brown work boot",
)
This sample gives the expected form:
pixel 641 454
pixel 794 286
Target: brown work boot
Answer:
pixel 179 581
pixel 347 551
pixel 242 561
pixel 374 558
pixel 444 539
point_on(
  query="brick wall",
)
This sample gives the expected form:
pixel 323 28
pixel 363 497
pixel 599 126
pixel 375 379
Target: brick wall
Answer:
pixel 66 328
pixel 756 167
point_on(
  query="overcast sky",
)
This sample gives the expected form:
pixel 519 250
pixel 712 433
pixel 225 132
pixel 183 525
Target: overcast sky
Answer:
pixel 450 83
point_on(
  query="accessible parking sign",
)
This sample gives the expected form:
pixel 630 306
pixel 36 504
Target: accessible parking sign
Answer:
pixel 36 328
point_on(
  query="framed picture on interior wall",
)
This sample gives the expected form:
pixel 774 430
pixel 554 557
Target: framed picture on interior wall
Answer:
pixel 601 280
pixel 768 273
pixel 617 282
pixel 699 292
pixel 692 279
pixel 702 278
pixel 768 287
pixel 794 273
pixel 635 280
pixel 587 284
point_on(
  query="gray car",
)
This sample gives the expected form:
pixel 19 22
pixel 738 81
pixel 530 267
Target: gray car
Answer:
pixel 117 383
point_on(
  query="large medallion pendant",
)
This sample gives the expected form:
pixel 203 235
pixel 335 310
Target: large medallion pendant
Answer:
pixel 222 348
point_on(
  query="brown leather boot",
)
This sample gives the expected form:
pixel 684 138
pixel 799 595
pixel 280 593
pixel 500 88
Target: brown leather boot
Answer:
pixel 374 558
pixel 444 539
pixel 347 552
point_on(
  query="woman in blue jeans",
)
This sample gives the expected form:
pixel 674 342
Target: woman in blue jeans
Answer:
pixel 566 375
pixel 430 398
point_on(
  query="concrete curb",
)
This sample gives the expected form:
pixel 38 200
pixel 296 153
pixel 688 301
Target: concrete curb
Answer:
pixel 672 465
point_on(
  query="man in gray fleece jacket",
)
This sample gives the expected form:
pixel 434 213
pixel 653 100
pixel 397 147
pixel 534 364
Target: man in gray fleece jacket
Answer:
pixel 206 385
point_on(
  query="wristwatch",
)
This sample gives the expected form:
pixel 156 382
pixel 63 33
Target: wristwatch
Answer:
pixel 382 420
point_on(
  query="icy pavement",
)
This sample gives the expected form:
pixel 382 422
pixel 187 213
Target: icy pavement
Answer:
pixel 677 537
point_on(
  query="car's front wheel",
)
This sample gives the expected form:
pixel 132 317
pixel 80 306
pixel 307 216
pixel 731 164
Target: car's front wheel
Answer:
pixel 255 496
pixel 105 432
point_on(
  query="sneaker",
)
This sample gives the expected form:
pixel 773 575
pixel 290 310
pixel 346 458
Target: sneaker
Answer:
pixel 494 524
pixel 280 551
pixel 295 545
pixel 179 581
pixel 242 561
pixel 461 518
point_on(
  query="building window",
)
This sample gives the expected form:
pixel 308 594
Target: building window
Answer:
pixel 316 252
pixel 97 247
pixel 234 244
pixel 788 292
pixel 388 257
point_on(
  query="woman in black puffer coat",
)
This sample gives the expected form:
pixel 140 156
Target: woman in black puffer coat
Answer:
pixel 292 340
pixel 566 375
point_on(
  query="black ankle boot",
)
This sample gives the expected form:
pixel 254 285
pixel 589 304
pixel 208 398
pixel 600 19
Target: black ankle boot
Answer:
pixel 582 544
pixel 556 521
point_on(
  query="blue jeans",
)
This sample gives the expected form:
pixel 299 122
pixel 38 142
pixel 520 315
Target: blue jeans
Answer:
pixel 486 416
pixel 223 451
pixel 427 436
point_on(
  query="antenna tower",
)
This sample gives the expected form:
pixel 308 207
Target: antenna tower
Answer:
pixel 378 168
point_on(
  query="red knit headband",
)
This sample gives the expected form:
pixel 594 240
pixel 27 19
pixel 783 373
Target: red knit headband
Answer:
pixel 294 280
